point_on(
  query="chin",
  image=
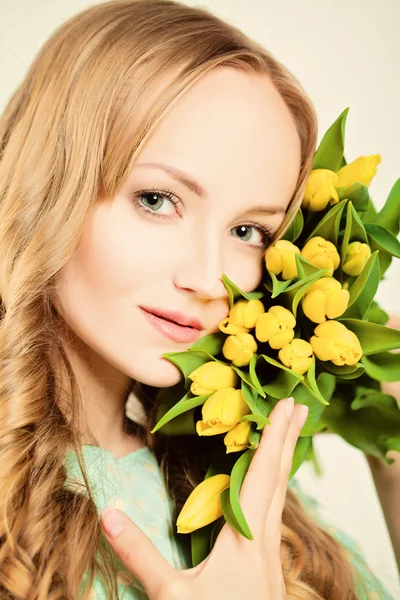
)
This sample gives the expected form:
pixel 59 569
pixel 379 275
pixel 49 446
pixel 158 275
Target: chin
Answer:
pixel 163 375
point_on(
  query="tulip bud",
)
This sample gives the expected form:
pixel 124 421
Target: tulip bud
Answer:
pixel 242 316
pixel 203 505
pixel 320 190
pixel 276 327
pixel 222 411
pixel 296 356
pixel 239 349
pixel 212 376
pixel 333 341
pixel 357 256
pixel 321 253
pixel 325 298
pixel 362 170
pixel 237 438
pixel 281 258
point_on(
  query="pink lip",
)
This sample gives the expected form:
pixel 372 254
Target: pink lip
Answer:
pixel 183 329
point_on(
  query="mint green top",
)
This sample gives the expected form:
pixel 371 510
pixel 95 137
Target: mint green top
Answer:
pixel 135 485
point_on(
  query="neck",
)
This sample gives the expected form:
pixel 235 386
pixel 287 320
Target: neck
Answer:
pixel 104 390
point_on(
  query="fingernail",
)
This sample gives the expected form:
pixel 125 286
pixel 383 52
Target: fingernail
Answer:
pixel 301 415
pixel 289 406
pixel 113 521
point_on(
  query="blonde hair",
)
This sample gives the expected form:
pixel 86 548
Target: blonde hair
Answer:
pixel 68 138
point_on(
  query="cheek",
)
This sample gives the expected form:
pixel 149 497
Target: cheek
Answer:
pixel 245 270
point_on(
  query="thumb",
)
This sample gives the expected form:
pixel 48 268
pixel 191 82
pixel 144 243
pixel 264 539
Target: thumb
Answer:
pixel 136 551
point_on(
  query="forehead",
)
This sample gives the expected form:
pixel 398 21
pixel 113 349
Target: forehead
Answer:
pixel 231 129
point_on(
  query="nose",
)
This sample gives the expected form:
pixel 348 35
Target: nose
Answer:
pixel 201 267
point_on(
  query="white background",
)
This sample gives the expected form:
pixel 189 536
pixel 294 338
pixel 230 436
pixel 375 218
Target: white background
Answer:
pixel 345 53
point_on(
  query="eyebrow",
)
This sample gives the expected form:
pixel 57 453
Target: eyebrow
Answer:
pixel 194 186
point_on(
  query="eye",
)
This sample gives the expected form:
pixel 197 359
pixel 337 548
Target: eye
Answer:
pixel 160 204
pixel 261 239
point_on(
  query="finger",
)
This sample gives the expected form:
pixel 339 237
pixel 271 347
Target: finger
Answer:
pixel 274 518
pixel 273 525
pixel 263 474
pixel 136 551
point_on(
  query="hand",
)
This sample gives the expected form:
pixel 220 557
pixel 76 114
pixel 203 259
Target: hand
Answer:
pixel 236 567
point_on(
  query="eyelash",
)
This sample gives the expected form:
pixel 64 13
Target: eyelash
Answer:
pixel 263 229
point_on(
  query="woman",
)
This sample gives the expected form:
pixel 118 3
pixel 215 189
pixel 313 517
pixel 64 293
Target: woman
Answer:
pixel 150 148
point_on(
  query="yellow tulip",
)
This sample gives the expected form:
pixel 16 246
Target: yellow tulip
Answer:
pixel 239 349
pixel 321 253
pixel 281 258
pixel 237 438
pixel 242 316
pixel 320 190
pixel 276 327
pixel 203 505
pixel 212 376
pixel 297 356
pixel 222 411
pixel 229 328
pixel 333 341
pixel 362 170
pixel 325 298
pixel 357 256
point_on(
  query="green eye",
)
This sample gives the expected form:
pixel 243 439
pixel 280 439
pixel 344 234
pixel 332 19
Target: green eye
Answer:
pixel 152 201
pixel 244 232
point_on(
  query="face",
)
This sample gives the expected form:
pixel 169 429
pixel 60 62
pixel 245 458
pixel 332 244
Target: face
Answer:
pixel 209 188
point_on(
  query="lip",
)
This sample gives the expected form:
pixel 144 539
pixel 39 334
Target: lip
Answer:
pixel 174 325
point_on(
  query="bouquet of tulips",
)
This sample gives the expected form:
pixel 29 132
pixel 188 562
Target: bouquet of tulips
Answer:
pixel 312 330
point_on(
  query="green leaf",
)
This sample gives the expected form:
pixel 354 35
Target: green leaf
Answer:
pixel 369 215
pixel 313 459
pixel 354 230
pixel 370 429
pixel 295 228
pixel 369 397
pixel 358 194
pixel 260 421
pixel 188 361
pixel 376 314
pixel 363 290
pixel 218 525
pixel 182 424
pixel 229 515
pixel 285 382
pixel 383 238
pixel 300 453
pixel 328 227
pixel 302 395
pixel 238 474
pixel 182 406
pixel 344 372
pixel 384 366
pixel 306 271
pixel 211 343
pixel 278 287
pixel 389 216
pixel 253 374
pixel 257 406
pixel 200 543
pixel 254 438
pixel 311 384
pixel 235 292
pixel 247 379
pixel 373 338
pixel 329 154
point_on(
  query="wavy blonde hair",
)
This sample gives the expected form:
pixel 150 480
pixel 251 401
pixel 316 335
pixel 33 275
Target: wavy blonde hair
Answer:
pixel 68 139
